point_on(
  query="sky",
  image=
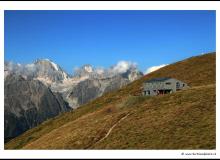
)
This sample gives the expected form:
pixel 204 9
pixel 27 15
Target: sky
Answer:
pixel 103 38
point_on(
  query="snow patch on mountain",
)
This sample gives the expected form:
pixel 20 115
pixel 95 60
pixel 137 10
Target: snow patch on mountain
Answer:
pixel 55 66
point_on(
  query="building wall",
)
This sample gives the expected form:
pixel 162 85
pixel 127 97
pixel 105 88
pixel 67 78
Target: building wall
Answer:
pixel 170 84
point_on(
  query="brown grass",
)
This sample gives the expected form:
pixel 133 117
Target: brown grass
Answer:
pixel 184 120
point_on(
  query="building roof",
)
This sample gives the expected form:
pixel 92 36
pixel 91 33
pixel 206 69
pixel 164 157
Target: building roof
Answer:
pixel 158 79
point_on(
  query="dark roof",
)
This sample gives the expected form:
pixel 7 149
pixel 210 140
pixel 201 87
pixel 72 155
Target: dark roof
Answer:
pixel 158 79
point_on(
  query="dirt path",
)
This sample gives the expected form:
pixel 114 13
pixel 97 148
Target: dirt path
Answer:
pixel 110 130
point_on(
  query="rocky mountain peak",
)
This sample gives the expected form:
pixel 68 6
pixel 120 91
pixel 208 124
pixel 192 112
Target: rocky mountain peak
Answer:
pixel 85 71
pixel 88 68
pixel 48 63
pixel 44 70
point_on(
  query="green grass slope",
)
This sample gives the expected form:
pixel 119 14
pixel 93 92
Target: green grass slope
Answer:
pixel 125 120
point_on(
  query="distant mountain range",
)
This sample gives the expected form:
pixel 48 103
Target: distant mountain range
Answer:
pixel 41 90
pixel 74 88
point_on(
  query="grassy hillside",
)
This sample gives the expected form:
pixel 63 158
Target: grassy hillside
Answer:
pixel 124 119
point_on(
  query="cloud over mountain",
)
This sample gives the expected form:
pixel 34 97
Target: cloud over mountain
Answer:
pixel 154 68
pixel 123 66
pixel 119 68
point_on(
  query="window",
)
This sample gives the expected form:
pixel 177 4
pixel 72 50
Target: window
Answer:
pixel 177 84
pixel 148 92
pixel 183 84
pixel 168 83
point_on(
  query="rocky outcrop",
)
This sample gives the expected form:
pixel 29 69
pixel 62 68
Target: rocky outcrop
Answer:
pixel 85 91
pixel 90 89
pixel 27 103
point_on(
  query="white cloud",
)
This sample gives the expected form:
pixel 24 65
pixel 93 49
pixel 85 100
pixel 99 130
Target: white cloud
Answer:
pixel 99 70
pixel 29 68
pixel 119 68
pixel 123 66
pixel 154 68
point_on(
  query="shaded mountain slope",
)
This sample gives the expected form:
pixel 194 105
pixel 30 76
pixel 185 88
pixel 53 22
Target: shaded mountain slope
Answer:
pixel 27 104
pixel 182 120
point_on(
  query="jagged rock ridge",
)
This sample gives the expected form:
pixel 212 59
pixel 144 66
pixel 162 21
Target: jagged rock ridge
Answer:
pixel 28 103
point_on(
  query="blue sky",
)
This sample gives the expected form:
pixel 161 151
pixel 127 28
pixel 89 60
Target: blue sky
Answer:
pixel 102 38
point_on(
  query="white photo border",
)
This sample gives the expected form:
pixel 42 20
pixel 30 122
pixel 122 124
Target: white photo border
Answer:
pixel 106 5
